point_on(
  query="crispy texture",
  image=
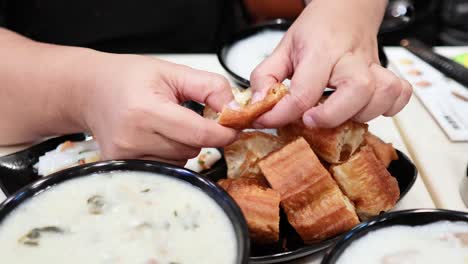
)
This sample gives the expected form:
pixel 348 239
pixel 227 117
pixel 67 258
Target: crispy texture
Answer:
pixel 321 211
pixel 384 151
pixel 260 206
pixel 366 181
pixel 243 118
pixel 334 145
pixel 242 155
pixel 293 168
pixel 242 97
pixel 312 200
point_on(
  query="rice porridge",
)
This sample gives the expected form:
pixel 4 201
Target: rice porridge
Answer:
pixel 119 217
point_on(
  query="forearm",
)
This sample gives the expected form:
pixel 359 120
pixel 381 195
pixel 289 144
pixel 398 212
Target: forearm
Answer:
pixel 39 88
pixel 366 14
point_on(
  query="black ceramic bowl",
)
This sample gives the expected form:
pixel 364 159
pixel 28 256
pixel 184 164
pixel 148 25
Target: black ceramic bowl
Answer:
pixel 278 24
pixel 408 217
pixel 215 192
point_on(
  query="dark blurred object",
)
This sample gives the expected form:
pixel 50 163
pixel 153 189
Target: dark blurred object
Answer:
pixel 264 10
pixel 399 14
pixel 454 16
pixel 422 21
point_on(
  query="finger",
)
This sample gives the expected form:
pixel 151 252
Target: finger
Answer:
pixel 187 127
pixel 388 88
pixel 307 85
pixel 354 88
pixel 403 99
pixel 201 86
pixel 273 69
pixel 180 163
pixel 149 143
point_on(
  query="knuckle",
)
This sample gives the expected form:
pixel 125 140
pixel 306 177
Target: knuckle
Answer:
pixel 256 73
pixel 407 89
pixel 121 144
pixel 392 87
pixel 302 102
pixel 219 82
pixel 364 82
pixel 324 118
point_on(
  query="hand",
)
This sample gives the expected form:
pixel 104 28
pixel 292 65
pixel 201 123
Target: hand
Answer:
pixel 332 43
pixel 132 108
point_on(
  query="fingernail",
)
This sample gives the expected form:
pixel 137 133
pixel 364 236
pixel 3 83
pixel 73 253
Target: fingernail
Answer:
pixel 309 121
pixel 256 97
pixel 233 105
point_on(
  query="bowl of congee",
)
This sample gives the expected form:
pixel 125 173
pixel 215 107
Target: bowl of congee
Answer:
pixel 129 211
pixel 412 236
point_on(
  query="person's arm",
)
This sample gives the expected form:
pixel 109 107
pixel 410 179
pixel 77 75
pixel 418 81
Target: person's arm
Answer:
pixel 333 43
pixel 130 103
pixel 38 83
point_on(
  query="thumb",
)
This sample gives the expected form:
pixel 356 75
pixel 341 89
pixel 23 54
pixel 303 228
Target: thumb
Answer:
pixel 275 68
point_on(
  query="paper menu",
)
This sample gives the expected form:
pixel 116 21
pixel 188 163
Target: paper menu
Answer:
pixel 445 99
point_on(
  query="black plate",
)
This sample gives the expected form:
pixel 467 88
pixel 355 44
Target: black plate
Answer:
pixel 215 192
pixel 16 171
pixel 278 24
pixel 404 171
pixel 408 217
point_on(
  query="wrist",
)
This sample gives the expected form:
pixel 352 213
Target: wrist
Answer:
pixel 362 15
pixel 76 80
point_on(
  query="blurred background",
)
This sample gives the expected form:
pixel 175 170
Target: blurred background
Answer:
pixel 201 25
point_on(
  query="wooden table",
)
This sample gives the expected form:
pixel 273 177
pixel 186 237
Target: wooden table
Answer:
pixel 417 197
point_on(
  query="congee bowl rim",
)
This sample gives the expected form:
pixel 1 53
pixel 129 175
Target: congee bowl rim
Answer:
pixel 413 217
pixel 216 193
pixel 275 24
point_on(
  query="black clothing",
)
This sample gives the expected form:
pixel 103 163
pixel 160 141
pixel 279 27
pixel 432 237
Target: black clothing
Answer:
pixel 139 26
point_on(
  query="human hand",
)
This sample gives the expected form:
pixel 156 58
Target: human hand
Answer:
pixel 132 107
pixel 332 43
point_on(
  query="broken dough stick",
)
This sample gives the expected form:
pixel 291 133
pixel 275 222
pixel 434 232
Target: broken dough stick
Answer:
pixel 243 155
pixel 366 181
pixel 260 206
pixel 243 118
pixel 311 199
pixel 384 151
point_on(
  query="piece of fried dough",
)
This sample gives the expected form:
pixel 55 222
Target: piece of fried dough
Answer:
pixel 321 211
pixel 366 182
pixel 241 96
pixel 243 118
pixel 334 145
pixel 243 154
pixel 260 206
pixel 384 151
pixel 312 200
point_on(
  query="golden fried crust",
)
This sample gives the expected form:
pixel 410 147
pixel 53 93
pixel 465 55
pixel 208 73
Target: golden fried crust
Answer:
pixel 242 155
pixel 384 151
pixel 293 168
pixel 366 181
pixel 334 145
pixel 320 212
pixel 244 117
pixel 260 206
pixel 312 200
